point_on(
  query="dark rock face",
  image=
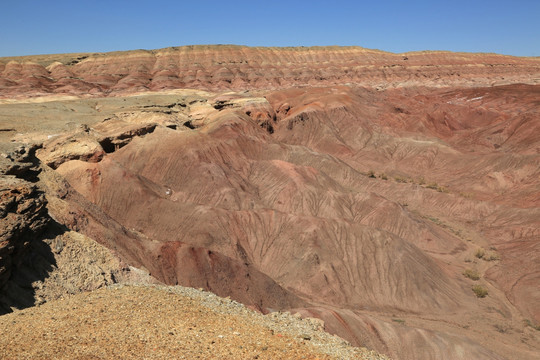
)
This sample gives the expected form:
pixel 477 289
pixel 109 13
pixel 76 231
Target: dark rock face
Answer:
pixel 39 259
pixel 23 218
pixel 23 212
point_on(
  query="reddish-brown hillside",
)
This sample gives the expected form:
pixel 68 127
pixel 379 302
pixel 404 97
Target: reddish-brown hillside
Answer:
pixel 239 68
pixel 369 189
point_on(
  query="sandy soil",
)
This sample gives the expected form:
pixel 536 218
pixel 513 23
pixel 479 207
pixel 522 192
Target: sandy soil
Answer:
pixel 136 322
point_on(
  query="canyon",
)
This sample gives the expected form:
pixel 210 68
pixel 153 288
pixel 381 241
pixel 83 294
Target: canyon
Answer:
pixel 394 196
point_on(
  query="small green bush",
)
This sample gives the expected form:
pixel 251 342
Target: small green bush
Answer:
pixel 371 174
pixel 471 274
pixel 480 291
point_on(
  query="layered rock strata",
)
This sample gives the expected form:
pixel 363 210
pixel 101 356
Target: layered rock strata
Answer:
pixel 241 68
pixel 393 196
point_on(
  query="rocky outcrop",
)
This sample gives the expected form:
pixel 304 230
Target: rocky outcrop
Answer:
pixel 23 212
pixel 23 215
pixel 72 147
pixel 243 68
pixel 39 260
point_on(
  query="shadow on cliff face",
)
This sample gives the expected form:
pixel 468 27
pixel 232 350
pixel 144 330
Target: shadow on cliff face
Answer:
pixel 26 229
pixel 31 268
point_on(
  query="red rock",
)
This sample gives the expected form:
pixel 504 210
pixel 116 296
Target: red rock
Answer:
pixel 239 68
pixel 265 195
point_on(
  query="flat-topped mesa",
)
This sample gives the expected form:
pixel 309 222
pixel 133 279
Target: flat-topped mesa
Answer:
pixel 221 67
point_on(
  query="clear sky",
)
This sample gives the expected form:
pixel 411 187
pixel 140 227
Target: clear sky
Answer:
pixel 57 26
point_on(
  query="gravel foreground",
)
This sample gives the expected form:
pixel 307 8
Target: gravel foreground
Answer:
pixel 164 322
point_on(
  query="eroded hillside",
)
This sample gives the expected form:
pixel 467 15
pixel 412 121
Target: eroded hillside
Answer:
pixel 378 211
pixel 220 67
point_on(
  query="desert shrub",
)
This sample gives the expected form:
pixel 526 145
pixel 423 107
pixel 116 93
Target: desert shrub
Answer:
pixel 435 220
pixel 400 179
pixel 371 174
pixel 471 274
pixel 383 176
pixel 421 181
pixel 503 329
pixel 530 323
pixel 467 195
pixel 480 253
pixel 433 186
pixel 480 291
pixel 491 256
pixel 442 189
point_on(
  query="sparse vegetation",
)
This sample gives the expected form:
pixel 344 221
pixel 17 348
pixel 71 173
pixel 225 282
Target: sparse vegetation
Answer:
pixel 480 252
pixel 437 187
pixel 401 179
pixel 491 256
pixel 455 232
pixel 467 195
pixel 480 291
pixel 435 220
pixel 530 323
pixel 503 329
pixel 399 321
pixel 471 274
pixel 432 186
pixel 443 189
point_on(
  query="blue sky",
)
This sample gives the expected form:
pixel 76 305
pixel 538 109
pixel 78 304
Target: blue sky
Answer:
pixel 58 26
